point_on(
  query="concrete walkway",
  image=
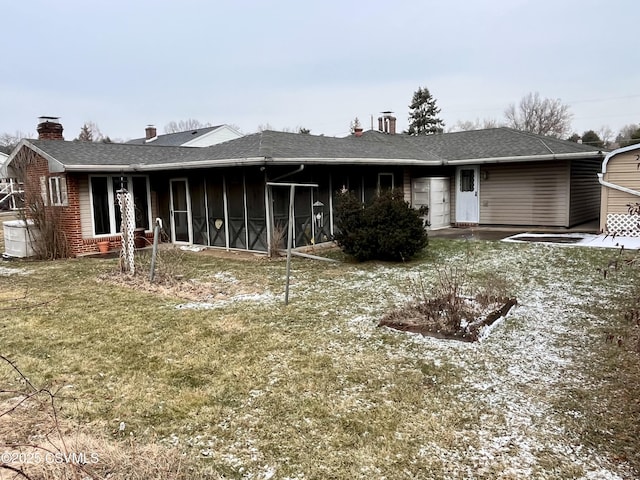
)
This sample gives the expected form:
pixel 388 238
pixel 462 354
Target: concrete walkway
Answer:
pixel 500 232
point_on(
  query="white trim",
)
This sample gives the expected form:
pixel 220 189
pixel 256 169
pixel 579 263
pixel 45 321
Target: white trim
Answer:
pixel 524 158
pixel 188 211
pixel 225 203
pixel 629 148
pixel 393 180
pixel 111 198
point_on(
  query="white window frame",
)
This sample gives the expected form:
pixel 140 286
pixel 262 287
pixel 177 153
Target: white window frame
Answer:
pixel 111 198
pixel 386 174
pixel 58 192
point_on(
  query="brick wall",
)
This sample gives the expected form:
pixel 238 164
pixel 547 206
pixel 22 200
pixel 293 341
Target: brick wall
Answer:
pixel 70 214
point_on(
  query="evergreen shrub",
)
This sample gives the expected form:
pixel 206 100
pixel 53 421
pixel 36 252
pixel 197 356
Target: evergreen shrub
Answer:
pixel 387 228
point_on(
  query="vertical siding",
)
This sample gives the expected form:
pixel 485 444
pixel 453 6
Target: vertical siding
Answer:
pixel 525 194
pixel 86 224
pixel 622 170
pixel 406 185
pixel 585 191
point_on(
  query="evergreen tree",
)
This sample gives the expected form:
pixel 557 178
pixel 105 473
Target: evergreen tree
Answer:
pixel 86 135
pixel 591 138
pixel 423 116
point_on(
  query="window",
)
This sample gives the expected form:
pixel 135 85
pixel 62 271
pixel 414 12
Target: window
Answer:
pixel 385 182
pixel 104 202
pixel 54 191
pixel 467 180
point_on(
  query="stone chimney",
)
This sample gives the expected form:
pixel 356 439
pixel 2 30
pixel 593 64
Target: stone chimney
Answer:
pixel 387 123
pixel 50 128
pixel 150 132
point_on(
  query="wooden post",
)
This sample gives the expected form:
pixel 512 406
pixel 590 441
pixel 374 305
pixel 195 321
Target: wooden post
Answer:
pixel 154 251
pixel 292 194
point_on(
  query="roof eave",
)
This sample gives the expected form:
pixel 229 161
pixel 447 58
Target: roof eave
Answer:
pixel 610 155
pixel 525 158
pixel 352 161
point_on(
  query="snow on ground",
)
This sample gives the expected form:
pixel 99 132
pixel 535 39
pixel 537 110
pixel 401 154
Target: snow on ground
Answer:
pixel 517 375
pixel 8 271
pixel 515 378
pixel 582 240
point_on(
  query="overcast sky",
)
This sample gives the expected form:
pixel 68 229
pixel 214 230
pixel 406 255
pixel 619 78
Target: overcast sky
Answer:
pixel 316 64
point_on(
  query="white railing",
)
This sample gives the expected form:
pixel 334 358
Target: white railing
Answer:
pixel 11 193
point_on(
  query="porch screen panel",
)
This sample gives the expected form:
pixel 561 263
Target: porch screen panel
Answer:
pixel 256 221
pixel 141 202
pixel 215 202
pixel 303 216
pixel 235 202
pixel 198 212
pixel 321 214
pixel 280 206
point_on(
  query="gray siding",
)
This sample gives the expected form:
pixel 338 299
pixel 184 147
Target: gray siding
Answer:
pixel 525 194
pixel 585 191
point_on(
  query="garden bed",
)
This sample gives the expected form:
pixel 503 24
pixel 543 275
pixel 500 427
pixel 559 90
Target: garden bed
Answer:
pixel 462 318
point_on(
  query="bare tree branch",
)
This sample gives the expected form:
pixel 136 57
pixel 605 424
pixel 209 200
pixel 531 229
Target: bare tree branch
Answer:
pixel 544 116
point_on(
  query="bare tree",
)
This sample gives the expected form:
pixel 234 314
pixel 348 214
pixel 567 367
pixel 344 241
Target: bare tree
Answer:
pixel 544 116
pixel 477 124
pixel 626 134
pixel 606 135
pixel 185 125
pixel 8 141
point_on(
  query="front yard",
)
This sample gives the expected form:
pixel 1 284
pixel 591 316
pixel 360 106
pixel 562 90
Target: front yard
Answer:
pixel 240 386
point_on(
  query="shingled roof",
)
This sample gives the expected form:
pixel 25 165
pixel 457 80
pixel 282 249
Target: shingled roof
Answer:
pixel 280 148
pixel 174 139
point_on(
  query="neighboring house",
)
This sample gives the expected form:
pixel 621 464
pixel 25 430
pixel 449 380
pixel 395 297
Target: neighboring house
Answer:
pixel 199 137
pixel 3 167
pixel 620 180
pixel 231 194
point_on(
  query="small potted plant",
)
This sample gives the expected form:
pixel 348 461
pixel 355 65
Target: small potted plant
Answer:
pixel 103 246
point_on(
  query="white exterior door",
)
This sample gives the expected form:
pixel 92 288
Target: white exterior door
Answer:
pixel 433 192
pixel 439 206
pixel 467 197
pixel 181 228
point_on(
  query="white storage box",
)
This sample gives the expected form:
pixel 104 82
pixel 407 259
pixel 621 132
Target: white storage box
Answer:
pixel 17 241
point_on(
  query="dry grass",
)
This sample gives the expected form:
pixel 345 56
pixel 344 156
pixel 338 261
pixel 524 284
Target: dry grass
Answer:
pixel 249 388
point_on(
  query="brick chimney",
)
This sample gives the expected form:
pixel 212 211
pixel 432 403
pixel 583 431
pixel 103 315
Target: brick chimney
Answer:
pixel 50 128
pixel 387 123
pixel 150 132
pixel 357 131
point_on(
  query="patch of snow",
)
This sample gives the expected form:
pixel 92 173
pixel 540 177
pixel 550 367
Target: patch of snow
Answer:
pixel 8 271
pixel 585 240
pixel 249 297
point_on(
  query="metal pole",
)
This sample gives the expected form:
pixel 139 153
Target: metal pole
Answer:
pixel 292 193
pixel 154 251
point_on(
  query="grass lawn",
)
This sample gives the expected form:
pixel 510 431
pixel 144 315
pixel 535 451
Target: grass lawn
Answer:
pixel 245 387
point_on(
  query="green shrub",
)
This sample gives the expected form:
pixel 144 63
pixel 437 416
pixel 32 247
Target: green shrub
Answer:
pixel 385 229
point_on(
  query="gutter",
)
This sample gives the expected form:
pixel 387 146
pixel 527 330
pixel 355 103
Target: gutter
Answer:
pixel 250 161
pixel 616 187
pixel 525 158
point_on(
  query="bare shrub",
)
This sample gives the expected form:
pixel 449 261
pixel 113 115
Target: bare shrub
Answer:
pixel 278 235
pixel 47 235
pixel 455 306
pixel 37 442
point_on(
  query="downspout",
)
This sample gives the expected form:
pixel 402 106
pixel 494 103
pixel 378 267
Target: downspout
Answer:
pixel 298 170
pixel 616 187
